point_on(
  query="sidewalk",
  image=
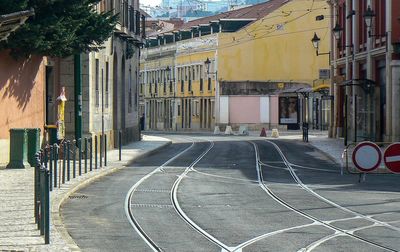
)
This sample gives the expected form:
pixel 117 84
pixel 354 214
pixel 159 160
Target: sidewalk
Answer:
pixel 18 230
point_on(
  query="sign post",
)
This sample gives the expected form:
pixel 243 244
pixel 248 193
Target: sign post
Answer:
pixel 391 157
pixel 367 156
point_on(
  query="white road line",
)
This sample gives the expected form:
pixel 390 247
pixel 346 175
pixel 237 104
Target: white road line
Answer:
pixel 178 209
pixel 222 177
pixel 280 231
pixel 287 205
pixel 128 214
pixel 319 242
pixel 392 159
pixel 297 179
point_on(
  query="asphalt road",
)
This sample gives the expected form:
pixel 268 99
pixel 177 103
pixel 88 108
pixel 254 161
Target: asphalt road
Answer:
pixel 219 194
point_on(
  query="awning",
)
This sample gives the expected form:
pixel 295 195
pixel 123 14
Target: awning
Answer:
pixel 321 87
pixel 11 22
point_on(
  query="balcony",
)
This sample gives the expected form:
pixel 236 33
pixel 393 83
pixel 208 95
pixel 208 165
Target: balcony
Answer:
pixel 131 24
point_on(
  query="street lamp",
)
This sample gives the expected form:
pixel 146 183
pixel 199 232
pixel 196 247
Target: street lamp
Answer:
pixel 315 41
pixel 337 33
pixel 208 64
pixel 368 16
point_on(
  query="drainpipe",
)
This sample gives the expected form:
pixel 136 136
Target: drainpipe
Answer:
pixel 78 96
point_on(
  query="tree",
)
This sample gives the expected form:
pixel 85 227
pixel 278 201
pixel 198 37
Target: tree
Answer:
pixel 59 28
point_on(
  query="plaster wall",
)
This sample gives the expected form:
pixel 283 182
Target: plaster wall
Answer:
pixel 22 85
pixel 277 47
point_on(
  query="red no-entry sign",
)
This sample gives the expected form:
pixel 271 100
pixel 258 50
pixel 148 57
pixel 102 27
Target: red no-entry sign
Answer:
pixel 391 157
pixel 367 156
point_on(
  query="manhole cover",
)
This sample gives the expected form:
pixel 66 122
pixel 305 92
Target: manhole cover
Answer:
pixel 78 197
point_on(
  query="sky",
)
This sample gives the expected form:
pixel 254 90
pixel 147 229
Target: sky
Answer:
pixel 150 2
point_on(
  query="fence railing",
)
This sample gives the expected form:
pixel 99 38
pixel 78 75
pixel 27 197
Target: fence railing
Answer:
pixel 60 163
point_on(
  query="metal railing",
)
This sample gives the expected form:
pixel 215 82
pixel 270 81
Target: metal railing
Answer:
pixel 58 164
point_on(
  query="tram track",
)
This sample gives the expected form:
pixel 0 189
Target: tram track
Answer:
pixel 337 231
pixel 128 207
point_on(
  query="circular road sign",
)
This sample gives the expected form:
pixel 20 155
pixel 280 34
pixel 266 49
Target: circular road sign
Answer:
pixel 367 156
pixel 391 157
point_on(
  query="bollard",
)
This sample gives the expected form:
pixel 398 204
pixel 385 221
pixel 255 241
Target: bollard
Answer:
pixel 120 144
pixel 51 166
pixel 74 161
pixel 46 211
pixel 55 156
pixel 101 151
pixel 95 152
pixel 91 153
pixel 80 156
pixel 69 160
pixel 86 153
pixel 36 198
pixel 64 162
pixel 42 203
pixel 105 150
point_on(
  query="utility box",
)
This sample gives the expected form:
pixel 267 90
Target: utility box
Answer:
pixel 33 144
pixel 18 149
pixel 51 134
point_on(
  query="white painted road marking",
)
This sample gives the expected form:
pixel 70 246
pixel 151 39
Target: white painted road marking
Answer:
pixel 393 159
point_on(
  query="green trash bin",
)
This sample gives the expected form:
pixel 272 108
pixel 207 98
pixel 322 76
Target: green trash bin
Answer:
pixel 33 144
pixel 18 149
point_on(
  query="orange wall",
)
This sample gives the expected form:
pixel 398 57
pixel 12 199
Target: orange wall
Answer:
pixel 22 86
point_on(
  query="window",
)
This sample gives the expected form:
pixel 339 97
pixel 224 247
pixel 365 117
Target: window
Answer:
pixel 209 84
pixel 212 108
pixel 130 91
pixel 97 94
pixel 182 86
pixel 187 73
pixel 201 85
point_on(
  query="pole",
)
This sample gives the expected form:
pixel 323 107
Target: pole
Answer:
pixel 86 153
pixel 91 153
pixel 105 150
pixel 69 160
pixel 46 212
pixel 120 144
pixel 78 97
pixel 345 120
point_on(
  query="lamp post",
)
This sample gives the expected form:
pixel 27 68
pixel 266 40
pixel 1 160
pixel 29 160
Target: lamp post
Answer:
pixel 207 63
pixel 315 41
pixel 172 107
pixel 368 16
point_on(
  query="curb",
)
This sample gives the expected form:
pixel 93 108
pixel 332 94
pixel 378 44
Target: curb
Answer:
pixel 59 200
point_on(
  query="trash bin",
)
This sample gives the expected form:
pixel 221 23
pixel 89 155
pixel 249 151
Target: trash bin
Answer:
pixel 33 144
pixel 51 134
pixel 18 149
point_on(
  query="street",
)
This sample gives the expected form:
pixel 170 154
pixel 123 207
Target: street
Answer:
pixel 208 193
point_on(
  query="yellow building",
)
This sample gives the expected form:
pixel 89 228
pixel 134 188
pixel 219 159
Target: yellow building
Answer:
pixel 230 69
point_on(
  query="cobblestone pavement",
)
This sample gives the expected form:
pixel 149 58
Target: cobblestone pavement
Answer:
pixel 18 231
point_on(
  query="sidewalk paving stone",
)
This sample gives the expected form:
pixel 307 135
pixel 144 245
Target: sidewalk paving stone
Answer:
pixel 18 231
